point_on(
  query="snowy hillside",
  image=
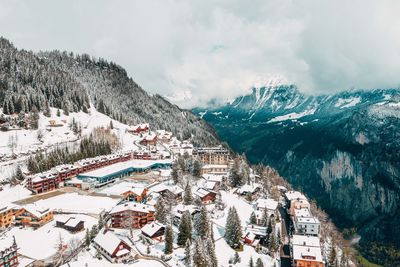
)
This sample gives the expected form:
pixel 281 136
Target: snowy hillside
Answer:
pixel 19 144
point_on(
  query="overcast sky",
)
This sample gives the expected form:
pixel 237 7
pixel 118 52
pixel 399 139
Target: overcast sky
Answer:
pixel 202 50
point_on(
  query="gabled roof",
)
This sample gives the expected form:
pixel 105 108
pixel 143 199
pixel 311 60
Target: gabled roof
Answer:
pixel 72 222
pixel 249 188
pixel 291 195
pixel 131 206
pixel 201 192
pixel 108 241
pixel 151 228
pixel 268 203
pixel 36 210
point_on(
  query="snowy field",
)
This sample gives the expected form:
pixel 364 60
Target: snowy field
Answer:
pixel 119 188
pixel 26 142
pixel 40 243
pixel 86 259
pixel 13 193
pixel 73 202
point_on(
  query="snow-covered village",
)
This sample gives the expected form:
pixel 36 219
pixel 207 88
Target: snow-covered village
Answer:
pixel 138 196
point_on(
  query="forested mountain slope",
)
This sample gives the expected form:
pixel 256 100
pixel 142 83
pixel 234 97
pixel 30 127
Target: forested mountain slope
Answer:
pixel 341 149
pixel 30 81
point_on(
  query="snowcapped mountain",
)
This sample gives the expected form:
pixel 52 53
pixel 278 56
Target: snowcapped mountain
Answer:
pixel 278 102
pixel 341 149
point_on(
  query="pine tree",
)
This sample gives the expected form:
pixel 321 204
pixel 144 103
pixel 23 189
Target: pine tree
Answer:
pixel 185 229
pixel 202 223
pixel 161 211
pixel 188 253
pixel 259 263
pixel 58 113
pixel 264 218
pixel 251 263
pixel 210 248
pixel 196 172
pixel 236 258
pixel 233 229
pixel 199 257
pixel 18 174
pixel 188 197
pixel 88 240
pixel 169 239
pixel 175 174
pixel 253 218
pixel 111 125
pixel 332 257
pixel 235 177
pixel 94 231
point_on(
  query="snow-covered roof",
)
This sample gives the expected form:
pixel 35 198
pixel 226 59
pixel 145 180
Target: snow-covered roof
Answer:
pixel 210 185
pixel 307 253
pixel 108 241
pixel 313 220
pixel 65 167
pixel 201 192
pixel 257 230
pixel 39 177
pixel 303 240
pixel 268 203
pixel 136 190
pixel 215 166
pixel 151 228
pixel 302 213
pixel 72 222
pixel 136 164
pixel 133 206
pixel 291 195
pixel 179 209
pixel 213 177
pixel 249 188
pixel 6 207
pixel 36 210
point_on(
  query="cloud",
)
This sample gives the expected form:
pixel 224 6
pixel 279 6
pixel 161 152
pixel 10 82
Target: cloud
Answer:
pixel 199 52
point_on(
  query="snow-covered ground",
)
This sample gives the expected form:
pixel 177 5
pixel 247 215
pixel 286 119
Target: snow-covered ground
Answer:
pixel 26 142
pixel 41 243
pixel 293 115
pixel 13 193
pixel 347 103
pixel 119 188
pixel 73 202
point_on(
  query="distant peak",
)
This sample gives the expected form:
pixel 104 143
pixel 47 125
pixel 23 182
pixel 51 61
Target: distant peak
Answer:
pixel 270 81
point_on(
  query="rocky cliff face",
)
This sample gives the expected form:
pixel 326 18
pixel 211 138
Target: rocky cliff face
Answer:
pixel 342 149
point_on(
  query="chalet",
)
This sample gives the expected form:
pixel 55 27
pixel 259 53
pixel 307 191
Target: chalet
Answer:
pixel 8 253
pixel 265 205
pixel 179 209
pixel 7 215
pixel 138 194
pixel 250 190
pixel 149 140
pixel 164 136
pixel 154 231
pixel 214 168
pixel 131 215
pixel 33 216
pixel 255 235
pixel 169 192
pixel 56 123
pixel 71 224
pixel 206 196
pixel 139 128
pixel 112 247
pixel 212 155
